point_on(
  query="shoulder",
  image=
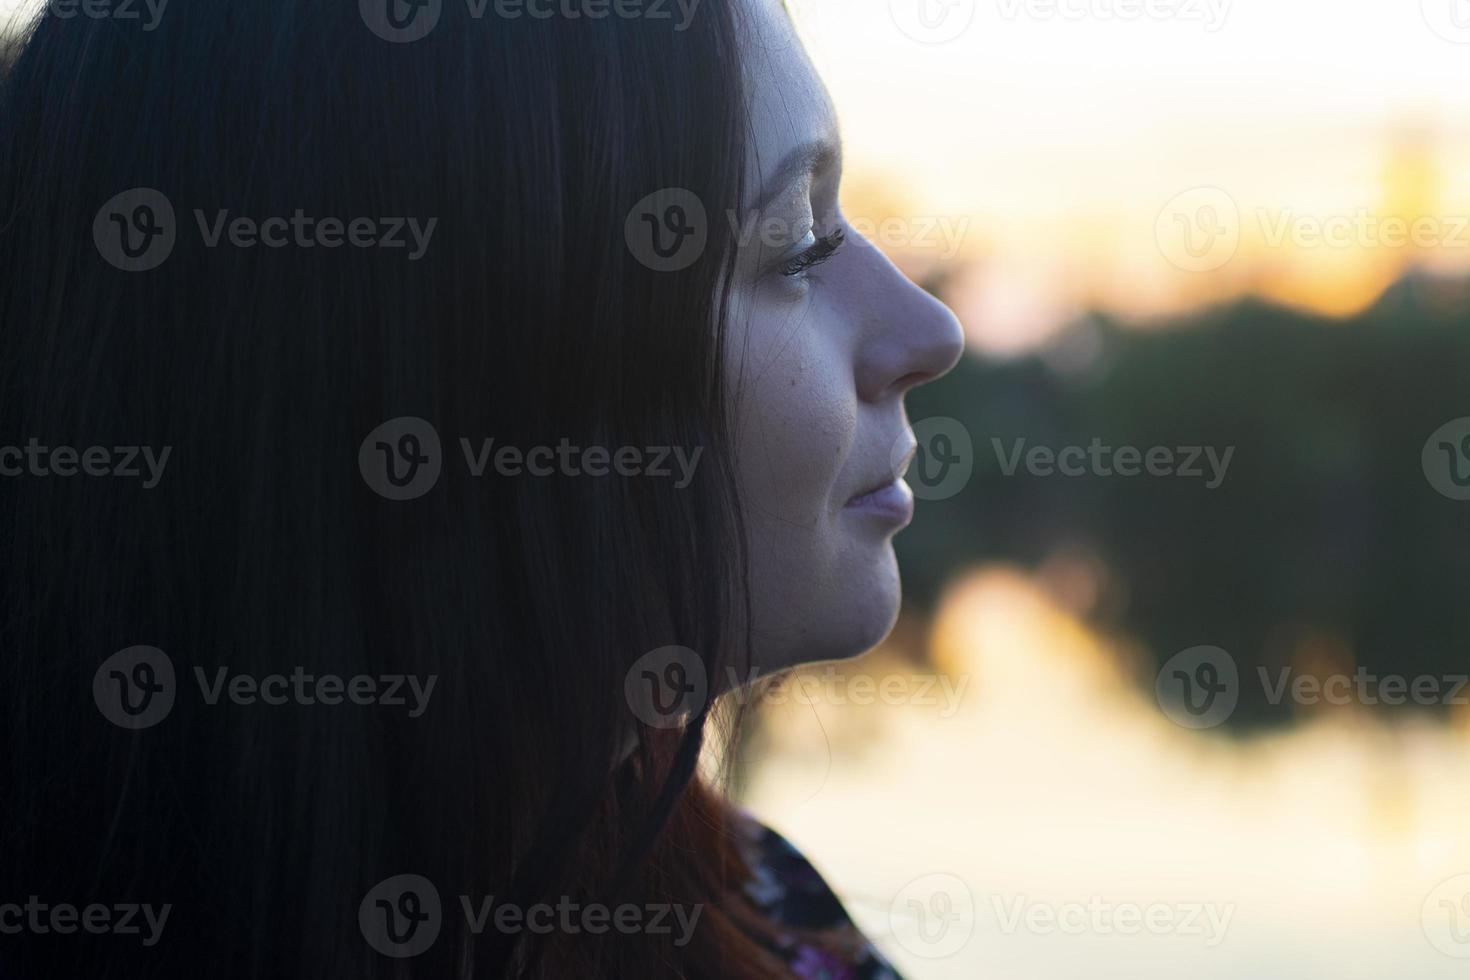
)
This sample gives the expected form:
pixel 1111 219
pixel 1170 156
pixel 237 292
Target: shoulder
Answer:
pixel 815 936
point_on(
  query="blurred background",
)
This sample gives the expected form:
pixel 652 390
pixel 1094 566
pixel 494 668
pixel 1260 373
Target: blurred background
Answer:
pixel 1183 225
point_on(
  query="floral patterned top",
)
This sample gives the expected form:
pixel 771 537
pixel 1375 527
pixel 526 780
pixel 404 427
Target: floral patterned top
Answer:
pixel 788 891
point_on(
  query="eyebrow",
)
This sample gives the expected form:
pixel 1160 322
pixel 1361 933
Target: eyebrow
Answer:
pixel 808 158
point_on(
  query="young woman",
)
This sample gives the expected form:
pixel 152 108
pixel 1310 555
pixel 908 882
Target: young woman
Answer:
pixel 414 416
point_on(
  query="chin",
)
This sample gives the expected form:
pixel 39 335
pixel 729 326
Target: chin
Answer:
pixel 863 609
pixel 880 610
pixel 844 606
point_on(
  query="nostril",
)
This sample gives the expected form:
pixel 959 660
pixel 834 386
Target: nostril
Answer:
pixel 913 379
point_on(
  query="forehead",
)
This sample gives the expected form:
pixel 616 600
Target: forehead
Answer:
pixel 788 103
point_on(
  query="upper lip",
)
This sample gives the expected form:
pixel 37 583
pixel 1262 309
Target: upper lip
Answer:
pixel 891 475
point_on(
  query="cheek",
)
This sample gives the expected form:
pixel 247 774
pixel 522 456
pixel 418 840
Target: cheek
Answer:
pixel 822 587
pixel 795 416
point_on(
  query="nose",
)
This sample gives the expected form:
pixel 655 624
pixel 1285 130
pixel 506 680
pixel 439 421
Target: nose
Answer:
pixel 906 336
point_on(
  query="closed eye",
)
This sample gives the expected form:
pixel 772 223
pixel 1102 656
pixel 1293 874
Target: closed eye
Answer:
pixel 824 249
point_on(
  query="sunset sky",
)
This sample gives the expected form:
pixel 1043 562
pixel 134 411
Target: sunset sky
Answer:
pixel 1062 140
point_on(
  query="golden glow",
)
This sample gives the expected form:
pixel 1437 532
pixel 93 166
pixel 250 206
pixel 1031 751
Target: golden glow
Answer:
pixel 1061 139
pixel 1058 780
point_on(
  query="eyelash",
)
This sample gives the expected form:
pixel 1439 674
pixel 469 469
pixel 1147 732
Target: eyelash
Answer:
pixel 824 249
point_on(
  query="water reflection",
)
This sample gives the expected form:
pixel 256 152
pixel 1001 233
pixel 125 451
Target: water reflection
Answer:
pixel 1087 827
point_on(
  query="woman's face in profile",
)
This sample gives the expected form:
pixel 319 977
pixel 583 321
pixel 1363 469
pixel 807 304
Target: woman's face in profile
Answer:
pixel 826 337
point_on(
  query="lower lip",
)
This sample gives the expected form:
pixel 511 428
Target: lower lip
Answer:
pixel 894 502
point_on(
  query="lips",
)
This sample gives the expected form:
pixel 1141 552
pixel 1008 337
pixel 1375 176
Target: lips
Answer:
pixel 893 501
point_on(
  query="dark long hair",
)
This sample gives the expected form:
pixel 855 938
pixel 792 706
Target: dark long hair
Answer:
pixel 263 549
